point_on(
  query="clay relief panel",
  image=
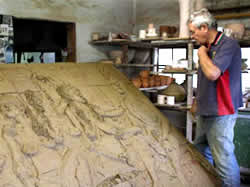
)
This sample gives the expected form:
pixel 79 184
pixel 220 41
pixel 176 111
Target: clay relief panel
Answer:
pixel 71 125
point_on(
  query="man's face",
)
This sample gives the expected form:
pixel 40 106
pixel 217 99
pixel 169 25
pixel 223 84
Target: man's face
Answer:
pixel 199 34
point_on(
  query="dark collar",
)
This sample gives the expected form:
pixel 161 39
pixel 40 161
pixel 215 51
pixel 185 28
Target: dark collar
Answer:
pixel 217 38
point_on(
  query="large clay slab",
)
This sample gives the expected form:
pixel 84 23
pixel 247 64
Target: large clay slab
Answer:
pixel 71 125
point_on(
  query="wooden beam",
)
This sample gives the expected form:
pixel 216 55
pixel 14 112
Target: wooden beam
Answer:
pixel 235 9
pixel 71 42
pixel 233 16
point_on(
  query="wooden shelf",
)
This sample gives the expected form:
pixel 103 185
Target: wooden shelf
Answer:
pixel 178 107
pixel 244 43
pixel 153 89
pixel 169 42
pixel 244 71
pixel 135 65
pixel 106 42
pixel 244 109
pixel 3 35
pixel 173 40
pixel 192 72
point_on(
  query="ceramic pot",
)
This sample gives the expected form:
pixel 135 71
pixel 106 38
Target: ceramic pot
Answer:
pixel 144 74
pixel 137 82
pixel 175 90
pixel 157 78
pixel 151 81
pixel 163 80
pixel 169 80
pixel 145 83
pixel 157 83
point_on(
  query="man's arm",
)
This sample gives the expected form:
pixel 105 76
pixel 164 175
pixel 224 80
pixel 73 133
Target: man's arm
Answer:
pixel 211 71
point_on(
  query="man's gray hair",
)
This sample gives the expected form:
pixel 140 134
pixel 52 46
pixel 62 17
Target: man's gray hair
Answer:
pixel 201 17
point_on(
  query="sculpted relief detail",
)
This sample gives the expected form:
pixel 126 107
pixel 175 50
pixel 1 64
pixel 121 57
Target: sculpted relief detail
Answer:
pixel 86 125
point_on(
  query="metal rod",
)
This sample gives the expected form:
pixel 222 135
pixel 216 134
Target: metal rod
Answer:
pixel 189 122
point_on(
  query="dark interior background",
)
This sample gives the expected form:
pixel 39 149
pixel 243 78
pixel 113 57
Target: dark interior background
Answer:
pixel 39 35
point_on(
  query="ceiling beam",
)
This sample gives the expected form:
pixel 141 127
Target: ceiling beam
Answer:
pixel 233 16
pixel 229 9
pixel 231 13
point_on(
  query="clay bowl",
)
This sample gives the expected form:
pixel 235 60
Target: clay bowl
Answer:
pixel 170 30
pixel 151 81
pixel 169 80
pixel 163 80
pixel 144 74
pixel 115 53
pixel 175 90
pixel 157 78
pixel 157 83
pixel 145 82
pixel 137 82
pixel 164 28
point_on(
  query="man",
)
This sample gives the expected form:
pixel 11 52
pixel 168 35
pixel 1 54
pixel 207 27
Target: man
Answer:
pixel 218 95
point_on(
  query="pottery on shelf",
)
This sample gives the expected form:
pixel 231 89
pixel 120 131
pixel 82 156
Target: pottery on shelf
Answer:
pixel 237 29
pixel 175 90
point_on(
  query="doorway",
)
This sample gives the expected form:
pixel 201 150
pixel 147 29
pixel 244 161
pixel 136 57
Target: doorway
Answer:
pixel 42 41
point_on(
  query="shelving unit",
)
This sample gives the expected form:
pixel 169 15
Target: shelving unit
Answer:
pixel 155 45
pixel 189 44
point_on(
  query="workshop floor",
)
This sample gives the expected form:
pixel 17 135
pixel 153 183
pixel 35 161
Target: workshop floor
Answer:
pixel 245 180
pixel 245 185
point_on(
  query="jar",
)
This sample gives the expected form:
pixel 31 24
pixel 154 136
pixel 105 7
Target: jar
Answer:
pixel 142 34
pixel 164 35
pixel 95 36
